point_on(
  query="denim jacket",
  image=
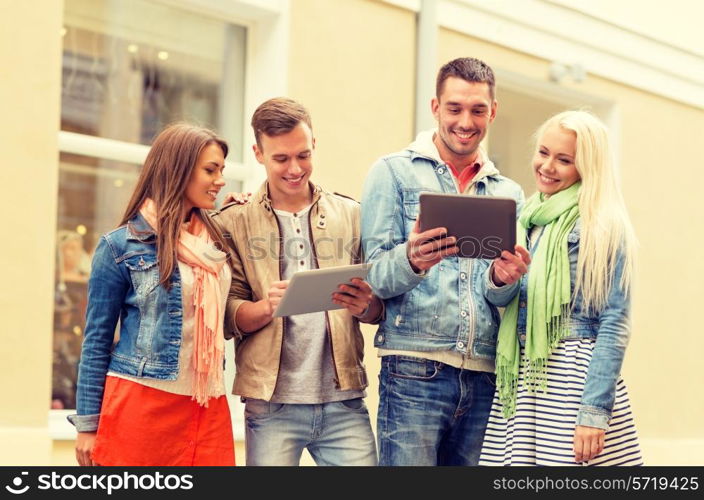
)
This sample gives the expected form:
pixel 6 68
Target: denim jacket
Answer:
pixel 443 309
pixel 610 327
pixel 124 286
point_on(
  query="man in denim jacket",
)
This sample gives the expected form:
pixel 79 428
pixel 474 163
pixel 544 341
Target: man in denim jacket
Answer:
pixel 438 339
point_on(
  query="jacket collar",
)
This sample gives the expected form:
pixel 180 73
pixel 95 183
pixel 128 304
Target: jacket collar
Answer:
pixel 139 230
pixel 424 147
pixel 262 196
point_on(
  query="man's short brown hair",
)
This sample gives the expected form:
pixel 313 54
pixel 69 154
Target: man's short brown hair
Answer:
pixel 278 116
pixel 469 69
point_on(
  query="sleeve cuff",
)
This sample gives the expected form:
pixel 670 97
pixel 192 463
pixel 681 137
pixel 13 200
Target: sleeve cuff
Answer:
pixel 592 416
pixel 231 329
pixel 84 423
pixel 416 277
pixel 490 282
pixel 379 317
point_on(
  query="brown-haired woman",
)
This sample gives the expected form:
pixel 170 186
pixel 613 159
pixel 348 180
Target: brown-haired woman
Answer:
pixel 157 396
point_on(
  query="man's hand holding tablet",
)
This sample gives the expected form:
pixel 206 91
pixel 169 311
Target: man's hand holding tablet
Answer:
pixel 427 248
pixel 252 316
pixel 356 297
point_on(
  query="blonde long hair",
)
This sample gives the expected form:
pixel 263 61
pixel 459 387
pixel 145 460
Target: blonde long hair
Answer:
pixel 606 228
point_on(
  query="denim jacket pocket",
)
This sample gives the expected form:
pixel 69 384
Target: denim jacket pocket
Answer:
pixel 144 273
pixel 411 207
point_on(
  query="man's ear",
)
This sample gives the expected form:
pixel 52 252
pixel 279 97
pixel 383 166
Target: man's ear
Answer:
pixel 258 154
pixel 435 107
pixel 494 106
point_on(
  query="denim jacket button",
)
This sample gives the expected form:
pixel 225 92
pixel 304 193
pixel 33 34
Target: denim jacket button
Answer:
pixel 463 314
pixel 460 345
pixel 141 262
pixel 441 170
pixel 379 338
pixel 523 336
pixel 522 304
pixel 463 276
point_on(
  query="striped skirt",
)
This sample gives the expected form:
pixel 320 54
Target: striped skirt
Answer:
pixel 542 430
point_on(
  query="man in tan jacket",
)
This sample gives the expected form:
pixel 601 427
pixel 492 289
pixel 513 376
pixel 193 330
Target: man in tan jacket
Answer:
pixel 301 377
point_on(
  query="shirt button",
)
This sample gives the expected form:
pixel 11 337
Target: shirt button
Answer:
pixel 463 314
pixel 301 246
pixel 295 214
pixel 302 262
pixel 298 230
pixel 460 345
pixel 322 216
pixel 463 276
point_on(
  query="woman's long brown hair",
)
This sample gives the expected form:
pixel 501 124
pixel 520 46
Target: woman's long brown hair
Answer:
pixel 164 178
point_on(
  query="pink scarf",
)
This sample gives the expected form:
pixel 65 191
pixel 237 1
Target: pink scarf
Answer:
pixel 195 248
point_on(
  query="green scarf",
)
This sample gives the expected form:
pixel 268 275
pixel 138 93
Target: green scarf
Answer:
pixel 548 296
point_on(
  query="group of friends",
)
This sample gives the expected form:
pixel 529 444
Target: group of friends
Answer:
pixel 460 384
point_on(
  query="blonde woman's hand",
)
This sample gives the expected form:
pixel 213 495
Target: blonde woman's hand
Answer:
pixel 84 447
pixel 509 267
pixel 588 442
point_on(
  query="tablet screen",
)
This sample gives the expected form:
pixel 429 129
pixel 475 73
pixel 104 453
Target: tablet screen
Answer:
pixel 483 225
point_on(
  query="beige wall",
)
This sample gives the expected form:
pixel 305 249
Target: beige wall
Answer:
pixel 30 55
pixel 352 64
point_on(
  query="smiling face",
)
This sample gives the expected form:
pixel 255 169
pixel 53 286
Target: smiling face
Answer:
pixel 288 160
pixel 553 162
pixel 206 179
pixel 464 110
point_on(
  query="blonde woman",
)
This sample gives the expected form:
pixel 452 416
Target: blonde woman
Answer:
pixel 560 399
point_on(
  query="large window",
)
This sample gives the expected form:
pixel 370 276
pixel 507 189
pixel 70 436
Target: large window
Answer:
pixel 130 67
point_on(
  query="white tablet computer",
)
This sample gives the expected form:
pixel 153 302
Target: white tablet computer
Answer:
pixel 483 225
pixel 311 291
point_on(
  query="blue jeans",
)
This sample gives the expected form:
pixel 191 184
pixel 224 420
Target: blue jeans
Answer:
pixel 431 413
pixel 336 433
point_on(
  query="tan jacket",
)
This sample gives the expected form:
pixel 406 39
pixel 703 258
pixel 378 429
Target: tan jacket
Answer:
pixel 255 239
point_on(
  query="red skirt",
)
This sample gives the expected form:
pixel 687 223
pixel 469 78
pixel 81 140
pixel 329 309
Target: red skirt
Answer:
pixel 140 425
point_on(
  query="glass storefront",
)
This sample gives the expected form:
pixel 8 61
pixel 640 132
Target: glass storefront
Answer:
pixel 130 67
